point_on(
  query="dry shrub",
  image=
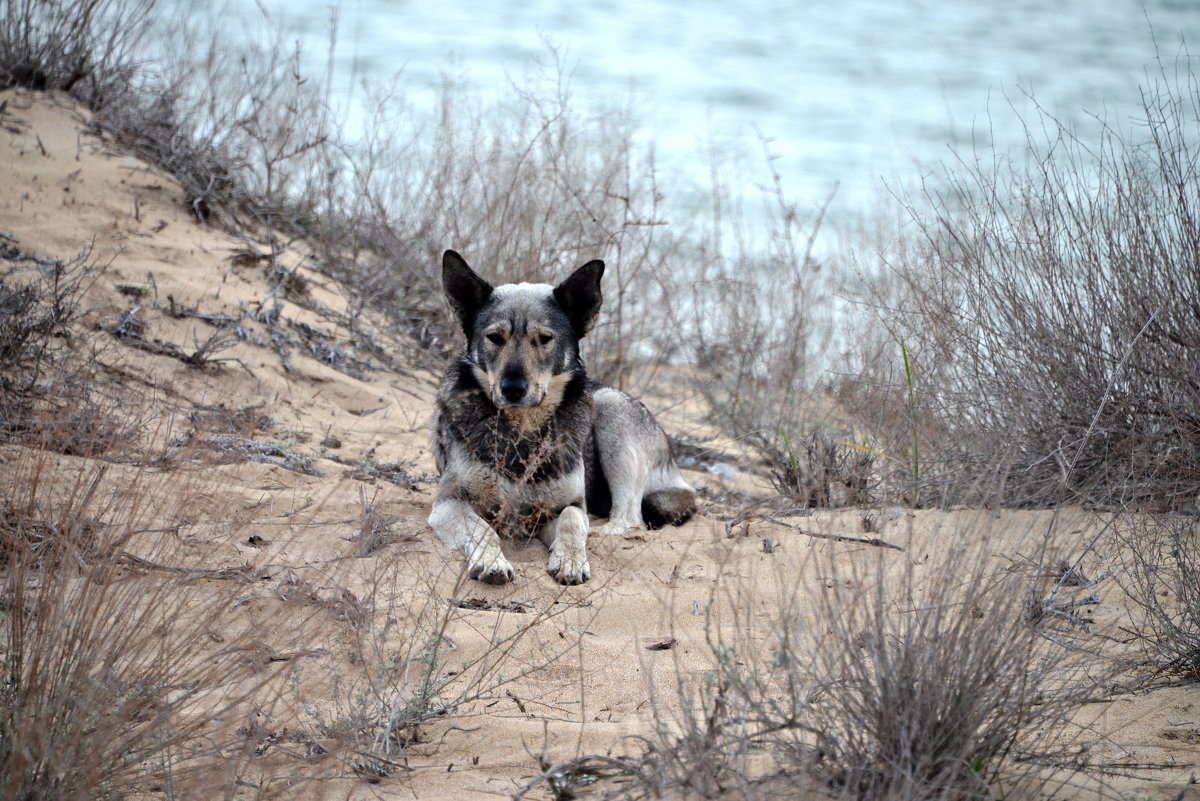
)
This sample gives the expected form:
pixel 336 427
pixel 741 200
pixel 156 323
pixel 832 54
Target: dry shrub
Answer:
pixel 415 663
pixel 760 322
pixel 376 530
pixel 882 678
pixel 402 682
pixel 1162 579
pixel 111 683
pixel 39 303
pixel 1051 308
pixel 88 48
pixel 406 680
pixel 817 471
pixel 767 323
pixel 41 535
pixel 242 127
pixel 927 694
pixel 49 396
pixel 527 188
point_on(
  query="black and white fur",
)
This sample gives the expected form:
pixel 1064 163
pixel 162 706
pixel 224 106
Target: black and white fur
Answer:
pixel 527 444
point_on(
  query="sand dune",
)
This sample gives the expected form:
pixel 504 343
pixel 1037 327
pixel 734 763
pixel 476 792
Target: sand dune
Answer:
pixel 299 465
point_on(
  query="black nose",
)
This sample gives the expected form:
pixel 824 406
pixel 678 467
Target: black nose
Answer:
pixel 513 387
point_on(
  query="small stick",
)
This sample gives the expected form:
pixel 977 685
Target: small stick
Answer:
pixel 243 572
pixel 875 541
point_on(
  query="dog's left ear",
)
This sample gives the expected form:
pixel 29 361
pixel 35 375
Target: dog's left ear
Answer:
pixel 579 296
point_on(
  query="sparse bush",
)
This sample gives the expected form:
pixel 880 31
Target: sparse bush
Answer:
pixel 761 321
pixel 408 678
pixel 39 300
pixel 926 701
pixel 48 393
pixel 917 683
pixel 817 471
pixel 1052 309
pixel 528 188
pixel 88 48
pixel 39 304
pixel 243 129
pixel 375 529
pixel 1162 579
pixel 104 691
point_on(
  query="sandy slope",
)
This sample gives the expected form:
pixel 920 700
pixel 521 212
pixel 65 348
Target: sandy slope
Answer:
pixel 276 465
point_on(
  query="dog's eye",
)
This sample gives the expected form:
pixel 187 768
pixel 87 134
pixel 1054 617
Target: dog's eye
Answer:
pixel 495 338
pixel 544 339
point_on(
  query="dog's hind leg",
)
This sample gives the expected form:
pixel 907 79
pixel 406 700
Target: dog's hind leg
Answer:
pixel 457 525
pixel 625 468
pixel 670 506
pixel 566 537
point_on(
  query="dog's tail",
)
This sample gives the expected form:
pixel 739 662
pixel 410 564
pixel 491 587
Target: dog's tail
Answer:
pixel 674 506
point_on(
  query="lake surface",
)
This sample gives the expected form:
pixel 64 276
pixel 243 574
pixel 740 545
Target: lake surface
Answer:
pixel 860 95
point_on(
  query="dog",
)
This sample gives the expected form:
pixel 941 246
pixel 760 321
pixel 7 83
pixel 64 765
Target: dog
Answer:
pixel 527 444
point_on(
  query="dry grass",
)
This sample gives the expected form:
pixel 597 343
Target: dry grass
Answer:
pixel 817 471
pixel 51 396
pixel 110 686
pixel 528 188
pixel 403 682
pixel 131 669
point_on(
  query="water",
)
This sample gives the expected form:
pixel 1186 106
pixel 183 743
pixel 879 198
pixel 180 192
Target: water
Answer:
pixel 859 95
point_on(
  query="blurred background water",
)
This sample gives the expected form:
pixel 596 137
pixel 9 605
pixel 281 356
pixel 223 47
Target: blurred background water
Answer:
pixel 857 96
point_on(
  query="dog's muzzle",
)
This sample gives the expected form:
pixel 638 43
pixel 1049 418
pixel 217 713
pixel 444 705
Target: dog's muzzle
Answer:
pixel 514 388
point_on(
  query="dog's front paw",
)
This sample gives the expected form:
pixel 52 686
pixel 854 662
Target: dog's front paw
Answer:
pixel 491 569
pixel 572 568
pixel 613 527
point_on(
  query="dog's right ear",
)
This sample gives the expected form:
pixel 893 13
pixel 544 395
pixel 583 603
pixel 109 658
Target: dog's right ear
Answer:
pixel 465 290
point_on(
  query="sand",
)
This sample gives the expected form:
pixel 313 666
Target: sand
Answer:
pixel 275 466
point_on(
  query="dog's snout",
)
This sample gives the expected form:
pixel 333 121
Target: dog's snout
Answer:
pixel 513 387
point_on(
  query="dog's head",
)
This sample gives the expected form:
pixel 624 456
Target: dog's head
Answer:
pixel 523 339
